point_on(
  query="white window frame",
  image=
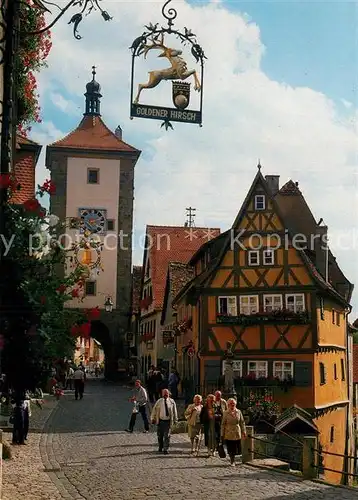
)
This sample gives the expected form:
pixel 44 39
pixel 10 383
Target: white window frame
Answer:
pixel 237 368
pixel 231 304
pixel 250 305
pixel 274 298
pixel 253 253
pixel 268 257
pixel 260 199
pixel 283 373
pixel 295 305
pixel 256 371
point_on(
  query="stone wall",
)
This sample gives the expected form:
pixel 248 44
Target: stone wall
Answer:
pixel 285 448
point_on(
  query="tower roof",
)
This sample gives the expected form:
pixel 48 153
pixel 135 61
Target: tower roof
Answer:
pixel 93 134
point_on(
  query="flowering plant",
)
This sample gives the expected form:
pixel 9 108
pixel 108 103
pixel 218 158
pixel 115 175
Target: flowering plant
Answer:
pixel 262 407
pixel 31 56
pixel 41 293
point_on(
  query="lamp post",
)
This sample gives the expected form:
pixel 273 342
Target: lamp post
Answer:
pixel 108 304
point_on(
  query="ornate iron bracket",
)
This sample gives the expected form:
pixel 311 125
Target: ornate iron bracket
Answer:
pixel 85 8
pixel 155 34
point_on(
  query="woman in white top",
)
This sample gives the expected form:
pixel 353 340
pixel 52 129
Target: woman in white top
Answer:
pixel 192 415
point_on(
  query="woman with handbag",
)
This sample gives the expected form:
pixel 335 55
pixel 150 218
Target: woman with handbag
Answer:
pixel 207 419
pixel 233 429
pixel 192 415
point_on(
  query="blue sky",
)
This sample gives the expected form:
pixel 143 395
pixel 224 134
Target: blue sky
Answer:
pixel 292 103
pixel 312 43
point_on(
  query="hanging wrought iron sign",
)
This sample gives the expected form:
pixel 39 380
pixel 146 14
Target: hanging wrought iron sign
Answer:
pixel 160 38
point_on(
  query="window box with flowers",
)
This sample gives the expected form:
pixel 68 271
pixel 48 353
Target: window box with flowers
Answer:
pixel 146 302
pixel 276 316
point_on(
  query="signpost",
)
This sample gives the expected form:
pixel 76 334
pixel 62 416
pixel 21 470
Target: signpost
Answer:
pixel 179 71
pixel 168 337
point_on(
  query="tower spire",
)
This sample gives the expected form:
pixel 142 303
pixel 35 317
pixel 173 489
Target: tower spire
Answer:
pixel 93 96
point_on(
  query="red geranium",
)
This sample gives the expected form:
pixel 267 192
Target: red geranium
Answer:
pixel 61 288
pixel 85 330
pixel 93 313
pixel 48 187
pixel 75 293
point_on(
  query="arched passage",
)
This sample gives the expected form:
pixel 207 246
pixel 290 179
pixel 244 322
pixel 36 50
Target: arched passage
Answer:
pixel 100 332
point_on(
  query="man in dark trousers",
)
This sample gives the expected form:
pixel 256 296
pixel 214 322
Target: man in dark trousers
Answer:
pixel 165 416
pixel 140 398
pixel 79 381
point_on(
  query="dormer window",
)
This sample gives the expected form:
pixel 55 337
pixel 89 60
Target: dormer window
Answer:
pixel 260 202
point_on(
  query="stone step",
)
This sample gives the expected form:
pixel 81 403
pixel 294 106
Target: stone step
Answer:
pixel 274 463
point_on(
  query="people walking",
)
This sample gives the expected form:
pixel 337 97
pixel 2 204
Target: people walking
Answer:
pixel 207 419
pixel 27 415
pixel 18 417
pixel 164 416
pixel 233 429
pixel 173 382
pixel 69 378
pixel 151 384
pixel 140 398
pixel 79 382
pixel 220 406
pixel 192 415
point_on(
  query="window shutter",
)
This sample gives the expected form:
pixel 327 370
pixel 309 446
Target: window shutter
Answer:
pixel 303 373
pixel 212 371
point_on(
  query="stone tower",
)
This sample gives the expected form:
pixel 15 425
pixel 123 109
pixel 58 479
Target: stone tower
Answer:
pixel 93 170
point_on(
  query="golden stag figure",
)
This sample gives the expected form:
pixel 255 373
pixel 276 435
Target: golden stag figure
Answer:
pixel 177 71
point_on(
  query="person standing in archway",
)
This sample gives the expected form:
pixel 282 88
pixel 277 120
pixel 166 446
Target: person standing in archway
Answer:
pixel 140 398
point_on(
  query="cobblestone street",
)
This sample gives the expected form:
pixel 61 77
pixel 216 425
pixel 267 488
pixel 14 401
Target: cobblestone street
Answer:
pixel 87 455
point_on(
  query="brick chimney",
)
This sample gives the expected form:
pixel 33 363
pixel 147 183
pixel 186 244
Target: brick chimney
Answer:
pixel 273 182
pixel 321 250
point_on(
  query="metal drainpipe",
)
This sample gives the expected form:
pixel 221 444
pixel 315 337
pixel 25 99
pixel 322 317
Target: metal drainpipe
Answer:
pixel 348 429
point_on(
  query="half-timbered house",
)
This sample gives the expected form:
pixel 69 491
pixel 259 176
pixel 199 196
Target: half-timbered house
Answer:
pixel 272 291
pixel 163 244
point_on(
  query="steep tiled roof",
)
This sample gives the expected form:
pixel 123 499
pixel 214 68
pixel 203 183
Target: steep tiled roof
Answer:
pixel 179 275
pixel 355 363
pixel 136 288
pixel 92 133
pixel 172 244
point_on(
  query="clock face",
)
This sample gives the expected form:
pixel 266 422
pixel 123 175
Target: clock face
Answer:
pixel 93 220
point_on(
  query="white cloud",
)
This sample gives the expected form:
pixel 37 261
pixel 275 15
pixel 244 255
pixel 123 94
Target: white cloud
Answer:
pixel 63 104
pixel 296 132
pixel 346 104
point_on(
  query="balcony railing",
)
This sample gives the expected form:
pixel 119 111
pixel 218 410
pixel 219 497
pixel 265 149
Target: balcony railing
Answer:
pixel 272 317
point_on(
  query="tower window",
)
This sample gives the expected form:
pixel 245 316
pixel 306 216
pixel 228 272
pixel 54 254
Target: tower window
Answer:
pixel 90 288
pixel 343 370
pixel 335 371
pixel 110 224
pixel 332 434
pixel 93 176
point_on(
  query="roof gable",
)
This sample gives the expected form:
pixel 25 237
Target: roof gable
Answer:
pixel 93 134
pixel 242 222
pixel 136 288
pixel 165 244
pixel 300 220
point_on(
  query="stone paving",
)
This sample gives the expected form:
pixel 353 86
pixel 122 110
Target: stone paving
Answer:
pixel 87 455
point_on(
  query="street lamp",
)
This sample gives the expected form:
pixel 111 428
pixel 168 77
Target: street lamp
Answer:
pixel 108 304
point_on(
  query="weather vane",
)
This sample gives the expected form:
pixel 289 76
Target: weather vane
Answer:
pixel 155 38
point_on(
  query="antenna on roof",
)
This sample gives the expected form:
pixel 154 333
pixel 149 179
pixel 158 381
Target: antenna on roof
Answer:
pixel 190 217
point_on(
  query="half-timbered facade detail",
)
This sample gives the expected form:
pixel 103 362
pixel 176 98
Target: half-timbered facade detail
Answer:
pixel 271 289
